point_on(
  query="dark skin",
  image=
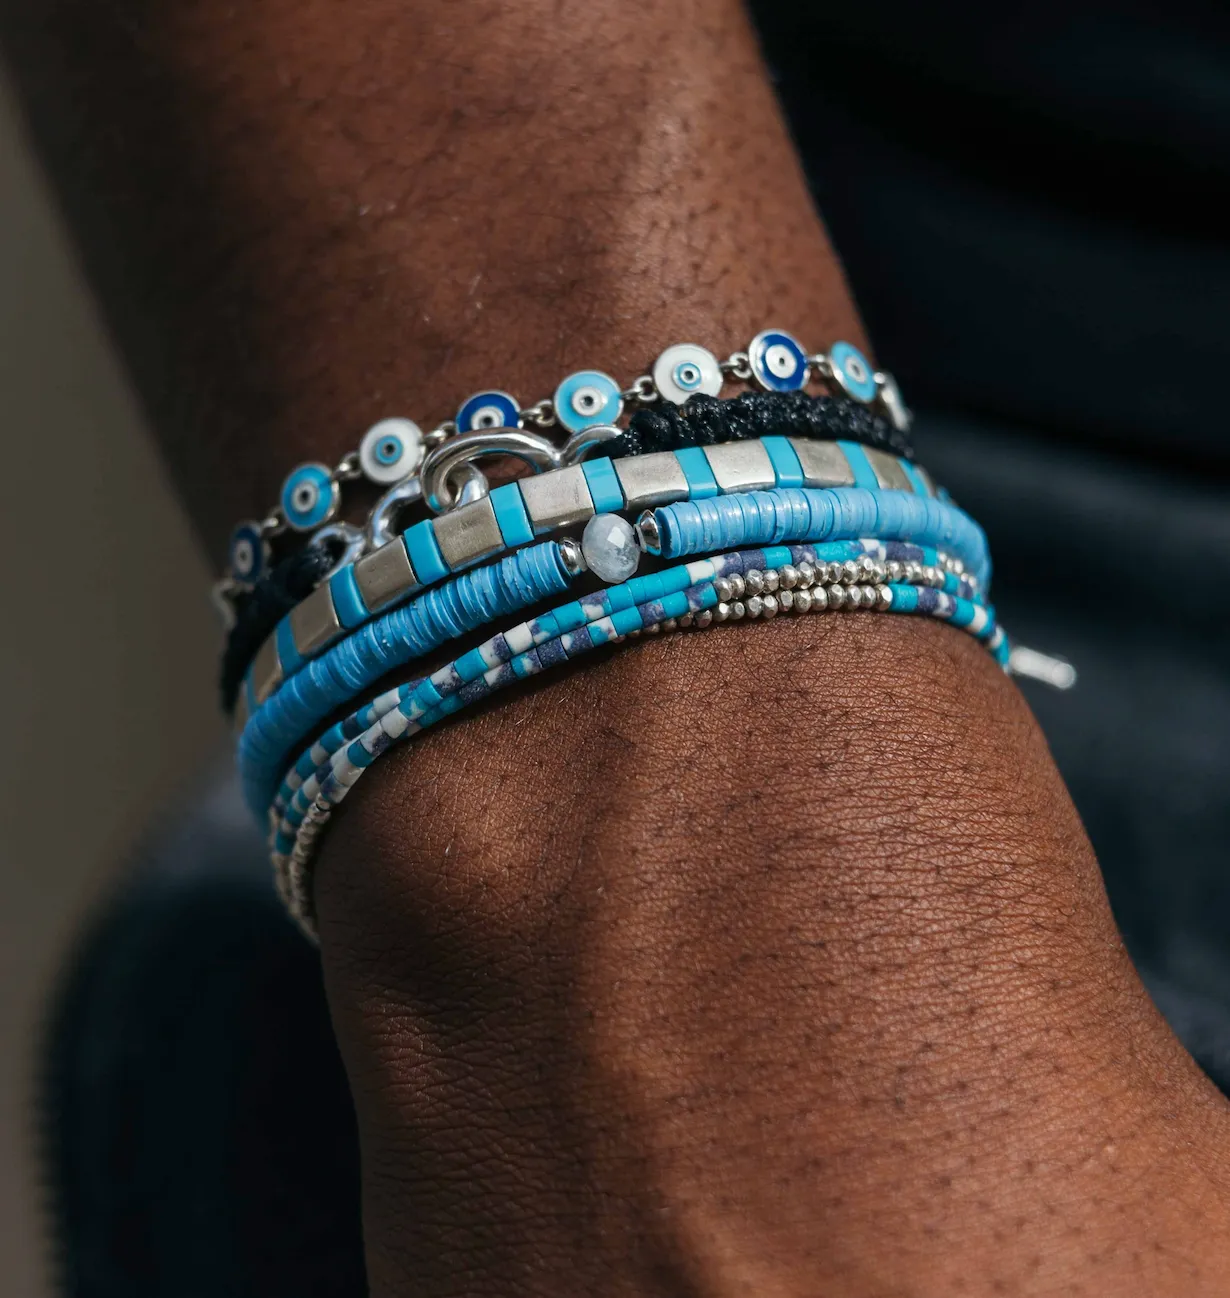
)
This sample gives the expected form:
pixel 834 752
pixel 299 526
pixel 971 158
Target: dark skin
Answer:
pixel 771 960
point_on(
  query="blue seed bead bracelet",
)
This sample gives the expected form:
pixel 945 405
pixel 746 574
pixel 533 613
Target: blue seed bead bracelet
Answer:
pixel 514 514
pixel 838 562
pixel 843 513
pixel 392 450
pixel 697 603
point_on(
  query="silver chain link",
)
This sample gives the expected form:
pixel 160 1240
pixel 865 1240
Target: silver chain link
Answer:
pixel 643 391
pixel 737 365
pixel 541 414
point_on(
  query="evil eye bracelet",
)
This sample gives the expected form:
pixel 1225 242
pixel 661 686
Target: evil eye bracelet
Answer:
pixel 253 611
pixel 689 596
pixel 392 450
pixel 513 515
pixel 295 705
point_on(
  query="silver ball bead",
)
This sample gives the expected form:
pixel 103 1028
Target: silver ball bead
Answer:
pixel 755 606
pixel 785 600
pixel 771 580
pixel 884 598
pixel 704 618
pixel 722 612
pixel 738 611
pixel 769 606
pixel 854 597
pixel 686 620
pixel 753 581
pixel 895 570
pixel 849 572
pixel 738 587
pixel 802 601
pixel 819 599
pixel 837 596
pixel 866 566
pixel 788 576
pixel 807 574
pixel 671 624
pixel 722 589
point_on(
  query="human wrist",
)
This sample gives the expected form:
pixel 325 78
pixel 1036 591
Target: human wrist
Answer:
pixel 698 952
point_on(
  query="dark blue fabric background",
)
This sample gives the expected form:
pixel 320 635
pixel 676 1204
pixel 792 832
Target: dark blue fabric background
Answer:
pixel 1031 201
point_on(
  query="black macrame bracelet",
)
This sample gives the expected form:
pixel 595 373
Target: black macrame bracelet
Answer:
pixel 701 421
pixel 706 421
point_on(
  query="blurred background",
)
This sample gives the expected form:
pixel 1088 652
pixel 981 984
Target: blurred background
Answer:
pixel 1033 205
pixel 124 659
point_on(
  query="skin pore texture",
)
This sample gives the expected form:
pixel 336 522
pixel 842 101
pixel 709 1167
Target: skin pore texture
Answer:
pixel 770 960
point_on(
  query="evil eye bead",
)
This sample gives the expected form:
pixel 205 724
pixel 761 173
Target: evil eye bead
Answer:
pixel 778 363
pixel 686 369
pixel 586 398
pixel 390 451
pixel 309 497
pixel 248 555
pixel 853 372
pixel 487 410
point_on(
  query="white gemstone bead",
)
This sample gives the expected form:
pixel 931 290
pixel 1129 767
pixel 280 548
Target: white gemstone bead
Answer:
pixel 609 546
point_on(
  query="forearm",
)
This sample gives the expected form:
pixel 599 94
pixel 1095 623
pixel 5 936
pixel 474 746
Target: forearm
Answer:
pixel 772 957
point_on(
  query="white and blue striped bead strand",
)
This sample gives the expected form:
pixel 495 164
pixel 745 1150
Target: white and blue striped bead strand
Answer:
pixel 805 564
pixel 842 563
pixel 329 786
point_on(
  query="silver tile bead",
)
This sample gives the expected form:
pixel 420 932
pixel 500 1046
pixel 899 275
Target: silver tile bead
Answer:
pixel 468 533
pixel 824 464
pixel 887 468
pixel 557 498
pixel 650 480
pixel 266 670
pixel 385 575
pixel 314 621
pixel 741 466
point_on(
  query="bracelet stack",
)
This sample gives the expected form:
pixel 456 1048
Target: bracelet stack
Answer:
pixel 698 512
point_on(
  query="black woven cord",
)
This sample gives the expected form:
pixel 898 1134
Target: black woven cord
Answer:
pixel 258 613
pixel 705 421
pixel 702 421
